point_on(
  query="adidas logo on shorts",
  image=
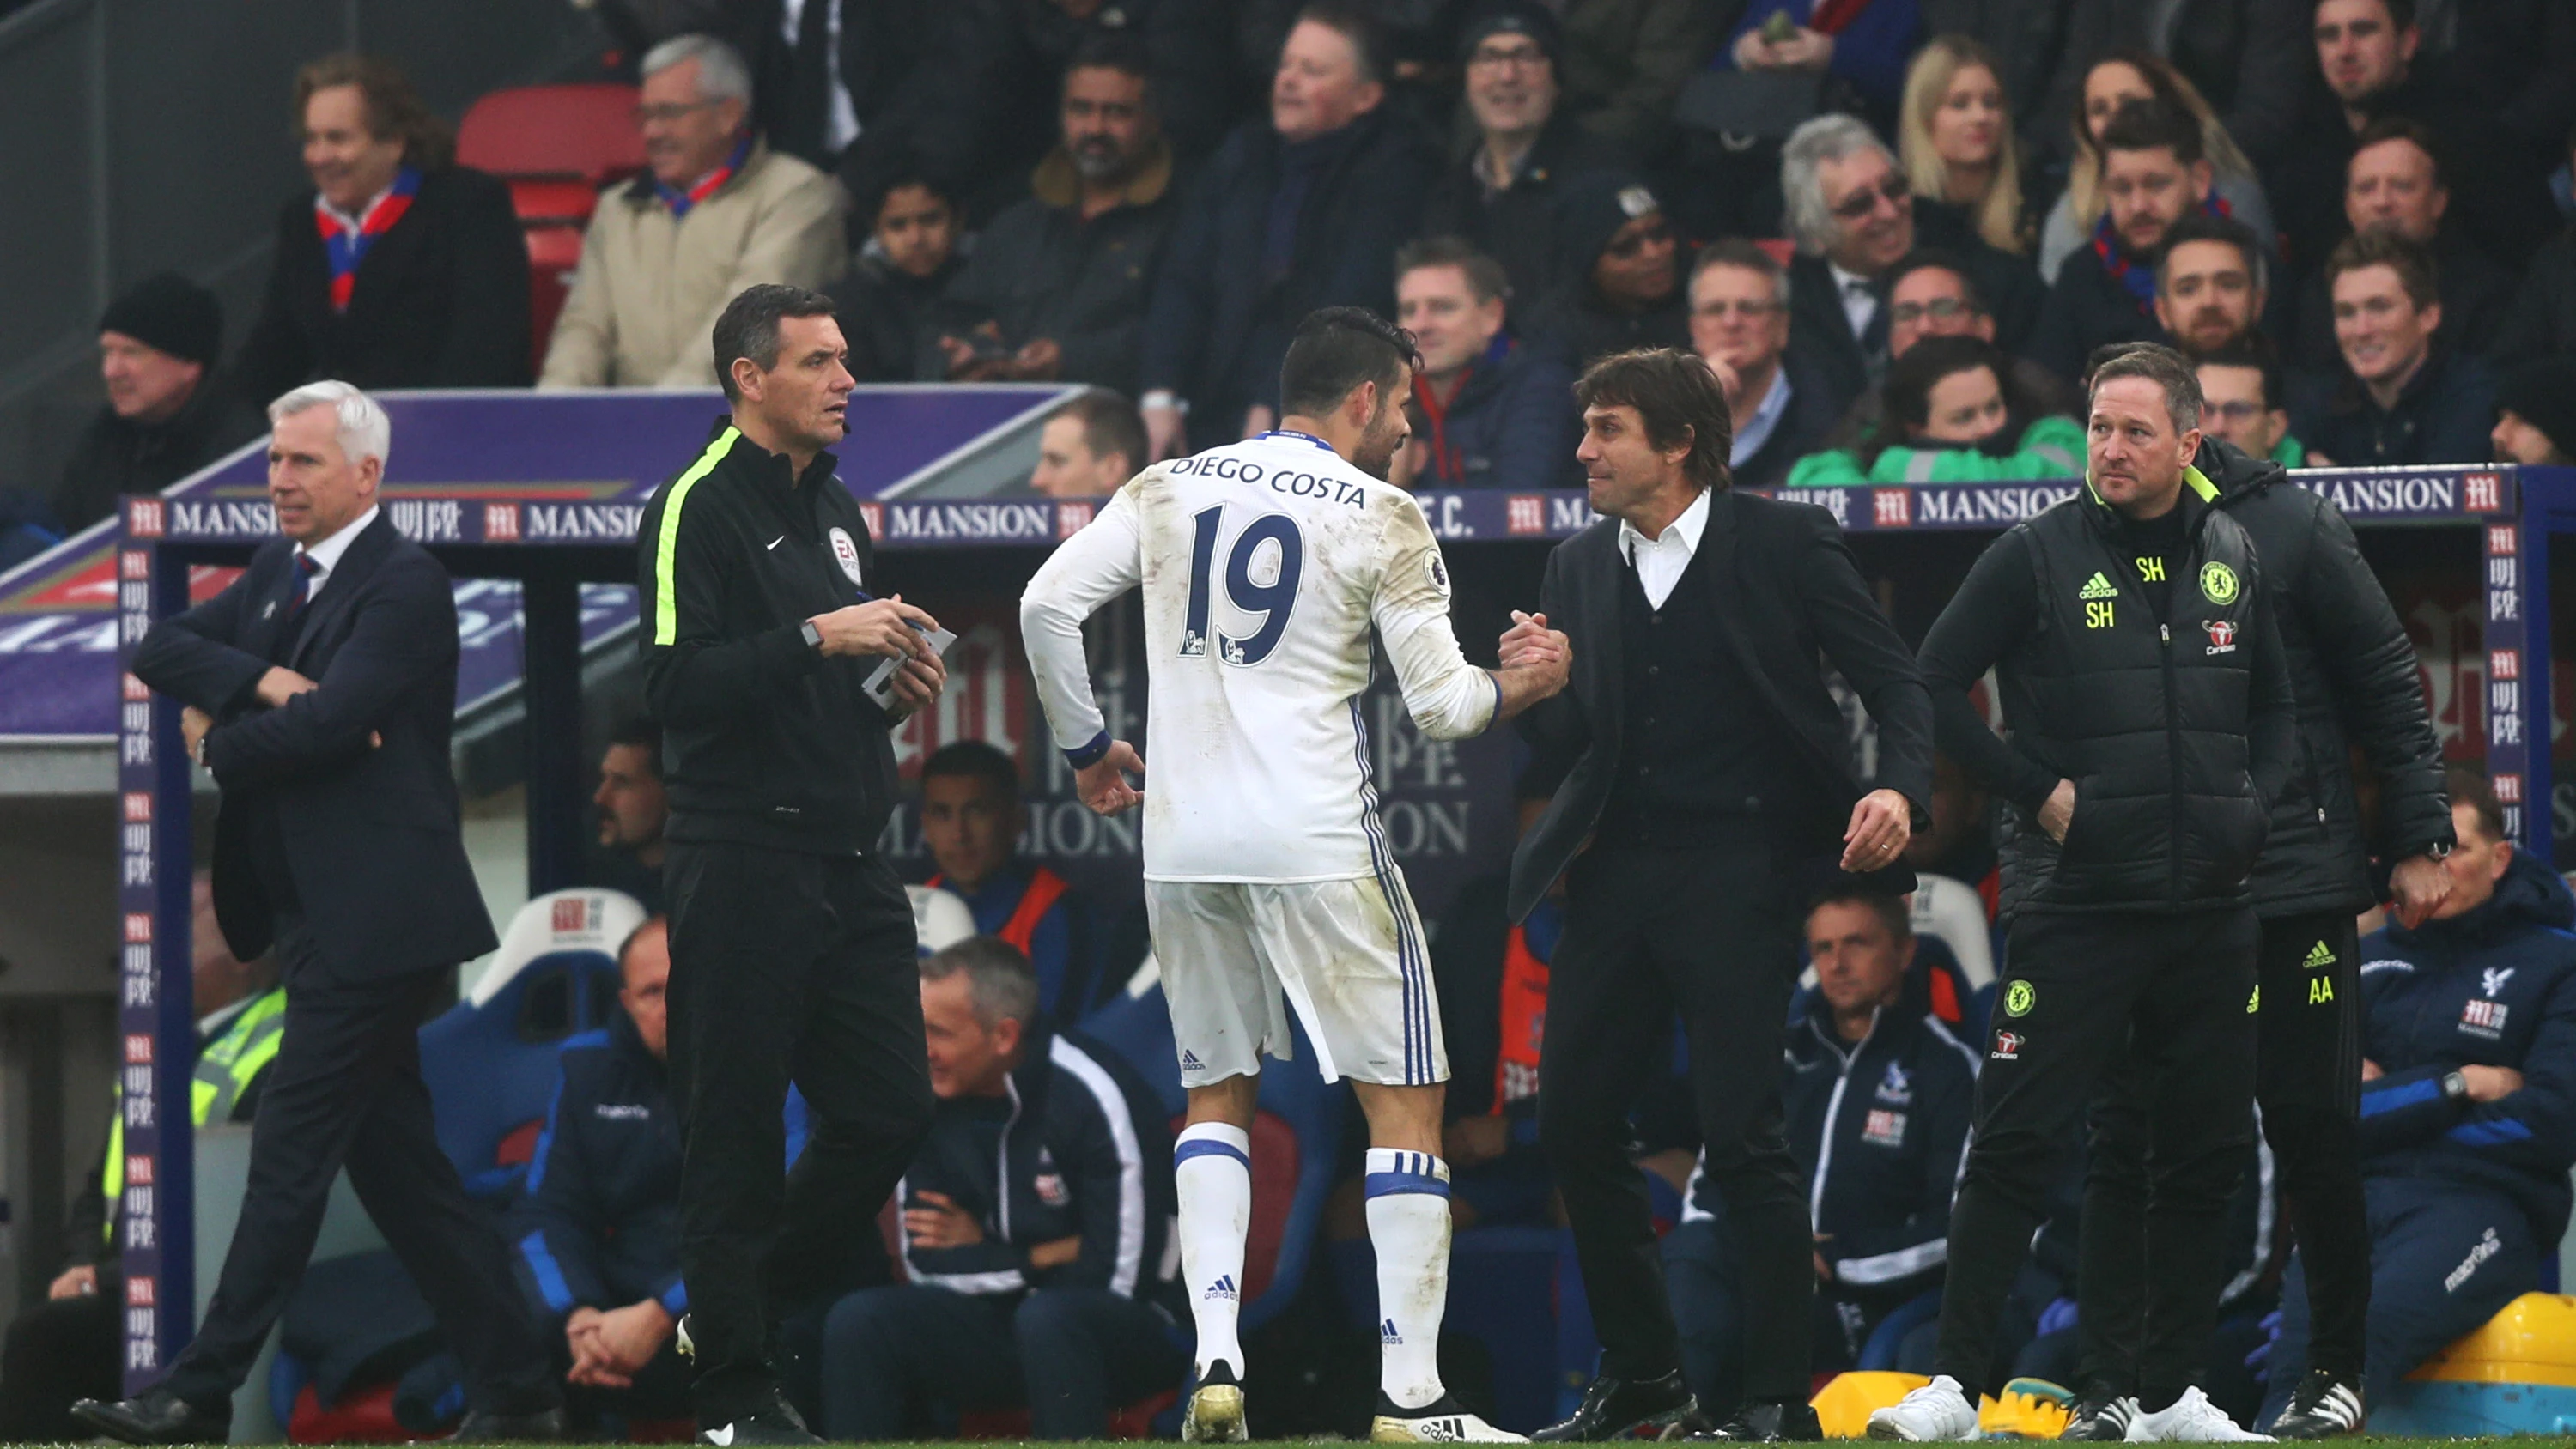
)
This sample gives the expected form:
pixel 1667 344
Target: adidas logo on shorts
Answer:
pixel 1386 1333
pixel 1223 1287
pixel 1190 1062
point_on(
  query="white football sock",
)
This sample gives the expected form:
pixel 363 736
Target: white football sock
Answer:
pixel 1212 1167
pixel 1408 1220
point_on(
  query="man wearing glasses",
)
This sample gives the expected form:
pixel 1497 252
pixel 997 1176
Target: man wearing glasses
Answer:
pixel 1628 294
pixel 714 212
pixel 1848 207
pixel 1929 294
pixel 1739 323
pixel 1503 195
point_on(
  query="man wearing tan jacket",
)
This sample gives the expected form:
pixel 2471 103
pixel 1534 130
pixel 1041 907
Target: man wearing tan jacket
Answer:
pixel 716 212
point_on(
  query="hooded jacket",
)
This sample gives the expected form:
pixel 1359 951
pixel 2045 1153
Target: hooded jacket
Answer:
pixel 2494 986
pixel 2353 671
pixel 1081 1150
pixel 1878 1126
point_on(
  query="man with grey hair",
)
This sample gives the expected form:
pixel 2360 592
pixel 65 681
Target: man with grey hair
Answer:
pixel 1033 1226
pixel 1847 205
pixel 320 689
pixel 714 212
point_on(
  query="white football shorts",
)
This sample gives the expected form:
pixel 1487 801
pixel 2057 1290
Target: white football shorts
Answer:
pixel 1349 955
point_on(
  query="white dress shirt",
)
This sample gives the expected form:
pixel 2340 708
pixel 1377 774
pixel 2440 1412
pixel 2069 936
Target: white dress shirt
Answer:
pixel 1859 298
pixel 326 554
pixel 1660 560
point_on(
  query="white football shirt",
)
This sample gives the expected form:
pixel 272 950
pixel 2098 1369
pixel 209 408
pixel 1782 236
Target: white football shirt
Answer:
pixel 1264 564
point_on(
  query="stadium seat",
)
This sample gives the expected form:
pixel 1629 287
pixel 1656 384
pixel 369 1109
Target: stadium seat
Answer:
pixel 554 254
pixel 490 1059
pixel 584 133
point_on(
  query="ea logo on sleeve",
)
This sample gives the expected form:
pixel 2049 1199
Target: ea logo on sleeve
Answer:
pixel 847 552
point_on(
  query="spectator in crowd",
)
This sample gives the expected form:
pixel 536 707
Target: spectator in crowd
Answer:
pixel 1863 47
pixel 1878 1094
pixel 1089 447
pixel 1950 415
pixel 1011 57
pixel 2468 1104
pixel 1739 317
pixel 2542 321
pixel 875 90
pixel 1302 211
pixel 2110 84
pixel 2250 59
pixel 1625 61
pixel 1488 410
pixel 598 1230
pixel 892 304
pixel 72 1345
pixel 1491 975
pixel 399 268
pixel 2536 415
pixel 971 819
pixel 1955 136
pixel 2369 54
pixel 2243 401
pixel 1034 1220
pixel 1062 276
pixel 714 212
pixel 1930 294
pixel 1960 845
pixel 2154 173
pixel 2400 397
pixel 1504 195
pixel 2393 184
pixel 2211 285
pixel 1625 291
pixel 633 809
pixel 167 414
pixel 1851 212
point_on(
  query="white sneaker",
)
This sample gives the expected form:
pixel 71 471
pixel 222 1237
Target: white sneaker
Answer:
pixel 1439 1422
pixel 2191 1419
pixel 1215 1414
pixel 1935 1412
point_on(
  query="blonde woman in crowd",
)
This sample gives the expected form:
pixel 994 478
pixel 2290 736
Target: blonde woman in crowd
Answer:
pixel 1954 137
pixel 2114 81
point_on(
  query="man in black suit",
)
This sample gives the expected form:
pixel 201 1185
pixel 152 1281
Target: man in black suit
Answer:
pixel 320 690
pixel 1713 791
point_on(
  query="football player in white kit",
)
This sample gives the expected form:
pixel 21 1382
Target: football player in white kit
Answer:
pixel 1265 565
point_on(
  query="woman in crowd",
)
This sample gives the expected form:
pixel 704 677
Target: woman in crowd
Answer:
pixel 2114 81
pixel 1951 415
pixel 1954 137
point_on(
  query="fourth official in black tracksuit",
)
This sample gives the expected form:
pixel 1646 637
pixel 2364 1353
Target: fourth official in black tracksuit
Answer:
pixel 2140 661
pixel 2353 671
pixel 792 945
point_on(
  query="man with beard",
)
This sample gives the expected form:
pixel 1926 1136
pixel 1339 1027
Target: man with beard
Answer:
pixel 2211 287
pixel 1265 567
pixel 1062 275
pixel 2155 173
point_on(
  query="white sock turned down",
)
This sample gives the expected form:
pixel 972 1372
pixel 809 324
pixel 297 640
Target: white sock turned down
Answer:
pixel 1408 1222
pixel 1212 1168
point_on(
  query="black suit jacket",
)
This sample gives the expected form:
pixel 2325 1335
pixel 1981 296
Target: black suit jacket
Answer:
pixel 440 301
pixel 1790 594
pixel 371 832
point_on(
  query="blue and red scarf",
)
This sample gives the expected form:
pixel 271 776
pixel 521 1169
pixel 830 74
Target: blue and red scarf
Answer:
pixel 2139 278
pixel 345 249
pixel 680 201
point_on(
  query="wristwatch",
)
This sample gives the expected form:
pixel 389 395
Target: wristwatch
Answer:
pixel 813 636
pixel 2455 1086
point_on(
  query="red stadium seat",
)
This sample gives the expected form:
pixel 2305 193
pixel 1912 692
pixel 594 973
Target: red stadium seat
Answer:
pixel 554 253
pixel 540 201
pixel 1780 248
pixel 580 133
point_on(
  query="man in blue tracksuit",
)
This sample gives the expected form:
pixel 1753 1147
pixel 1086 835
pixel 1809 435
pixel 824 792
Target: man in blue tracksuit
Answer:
pixel 1878 1094
pixel 598 1230
pixel 1034 1225
pixel 2468 1103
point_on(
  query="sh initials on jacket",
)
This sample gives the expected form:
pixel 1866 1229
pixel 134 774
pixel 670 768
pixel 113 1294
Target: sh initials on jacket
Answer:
pixel 2097 596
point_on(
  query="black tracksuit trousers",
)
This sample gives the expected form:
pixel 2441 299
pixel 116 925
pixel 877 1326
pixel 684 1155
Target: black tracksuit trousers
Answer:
pixel 2308 1083
pixel 2174 994
pixel 785 966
